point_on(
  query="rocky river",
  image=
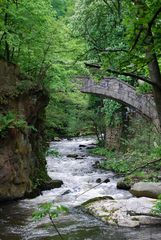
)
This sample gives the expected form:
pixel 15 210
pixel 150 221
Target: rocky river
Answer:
pixel 78 175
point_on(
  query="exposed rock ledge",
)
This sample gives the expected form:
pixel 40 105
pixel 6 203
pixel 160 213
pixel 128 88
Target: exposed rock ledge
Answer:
pixel 131 212
pixel 22 148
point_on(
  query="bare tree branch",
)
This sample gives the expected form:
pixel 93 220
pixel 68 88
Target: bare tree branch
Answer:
pixel 106 50
pixel 136 39
pixel 147 80
pixel 143 166
pixel 150 24
pixel 108 5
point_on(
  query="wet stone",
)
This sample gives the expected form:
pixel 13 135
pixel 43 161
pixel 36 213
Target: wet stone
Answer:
pixel 66 192
pixel 98 180
pixel 72 155
pixel 82 146
pixel 123 185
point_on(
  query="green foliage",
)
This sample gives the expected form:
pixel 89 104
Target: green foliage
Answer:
pixel 142 147
pixel 118 166
pixel 94 21
pixel 156 152
pixel 11 120
pixel 33 36
pixel 63 8
pixel 67 114
pixel 41 175
pixel 123 163
pixel 117 35
pixel 144 88
pixel 157 208
pixel 112 109
pixel 36 36
pixel 52 152
pixel 25 85
pixel 103 113
pixel 141 137
pixel 101 151
pixel 97 116
pixel 49 209
pixel 52 211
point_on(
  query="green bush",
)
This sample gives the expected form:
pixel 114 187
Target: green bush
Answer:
pixel 11 120
pixel 52 152
pixel 157 208
pixel 48 209
pixel 144 88
pixel 101 151
pixel 52 211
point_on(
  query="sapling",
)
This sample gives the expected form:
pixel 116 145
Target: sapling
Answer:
pixel 50 210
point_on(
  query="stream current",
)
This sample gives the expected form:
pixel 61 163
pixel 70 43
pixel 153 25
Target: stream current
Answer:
pixel 78 175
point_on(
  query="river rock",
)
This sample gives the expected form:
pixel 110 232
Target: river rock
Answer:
pixel 98 180
pixel 107 180
pixel 80 157
pixel 66 192
pixel 91 147
pixel 51 184
pixel 123 185
pixel 96 164
pixel 57 139
pixel 146 189
pixel 72 155
pixel 82 146
pixel 44 187
pixel 96 199
pixel 93 144
pixel 131 212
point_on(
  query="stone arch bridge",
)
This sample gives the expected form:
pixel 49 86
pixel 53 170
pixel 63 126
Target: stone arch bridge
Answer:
pixel 122 92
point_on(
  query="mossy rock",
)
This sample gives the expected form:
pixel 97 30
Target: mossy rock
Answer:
pixel 123 185
pixel 90 201
pixel 51 184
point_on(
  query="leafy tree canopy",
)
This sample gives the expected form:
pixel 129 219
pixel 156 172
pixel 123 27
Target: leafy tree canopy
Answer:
pixel 116 32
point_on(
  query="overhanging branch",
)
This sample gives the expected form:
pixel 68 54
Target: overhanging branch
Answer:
pixel 150 24
pixel 147 80
pixel 136 39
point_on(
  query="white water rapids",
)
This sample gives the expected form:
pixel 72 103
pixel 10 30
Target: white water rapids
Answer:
pixel 78 175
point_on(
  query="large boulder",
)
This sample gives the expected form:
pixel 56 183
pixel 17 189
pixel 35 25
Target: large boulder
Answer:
pixel 146 189
pixel 131 212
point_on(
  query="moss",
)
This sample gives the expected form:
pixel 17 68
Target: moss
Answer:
pixel 144 176
pixel 90 201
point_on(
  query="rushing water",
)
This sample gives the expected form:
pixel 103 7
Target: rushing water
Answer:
pixel 78 175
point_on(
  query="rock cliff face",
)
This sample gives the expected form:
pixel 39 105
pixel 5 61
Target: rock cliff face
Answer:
pixel 22 146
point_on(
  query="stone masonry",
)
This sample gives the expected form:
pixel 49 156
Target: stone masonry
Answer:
pixel 122 92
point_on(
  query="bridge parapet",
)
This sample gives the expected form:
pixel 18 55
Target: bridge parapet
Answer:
pixel 124 93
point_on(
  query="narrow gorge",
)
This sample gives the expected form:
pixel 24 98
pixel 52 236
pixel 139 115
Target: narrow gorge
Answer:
pixel 22 142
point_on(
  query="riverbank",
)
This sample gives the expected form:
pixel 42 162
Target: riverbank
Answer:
pixel 139 175
pixel 132 166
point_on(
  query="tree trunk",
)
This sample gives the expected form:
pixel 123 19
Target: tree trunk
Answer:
pixel 155 73
pixel 157 98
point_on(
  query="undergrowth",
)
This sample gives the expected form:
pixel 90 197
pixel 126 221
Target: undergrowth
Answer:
pixel 132 161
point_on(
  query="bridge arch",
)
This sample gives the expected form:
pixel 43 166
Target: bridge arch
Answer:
pixel 122 92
